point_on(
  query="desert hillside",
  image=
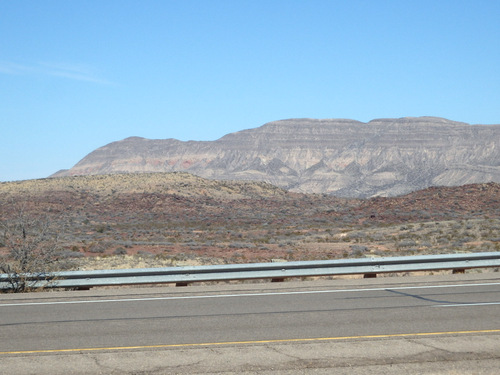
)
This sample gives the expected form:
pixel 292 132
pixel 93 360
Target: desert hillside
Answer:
pixel 166 218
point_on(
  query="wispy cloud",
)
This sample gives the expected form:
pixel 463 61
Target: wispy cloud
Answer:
pixel 7 67
pixel 78 72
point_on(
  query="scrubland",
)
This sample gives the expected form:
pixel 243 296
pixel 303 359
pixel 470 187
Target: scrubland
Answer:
pixel 148 220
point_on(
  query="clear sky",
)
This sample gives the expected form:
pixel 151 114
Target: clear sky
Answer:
pixel 76 75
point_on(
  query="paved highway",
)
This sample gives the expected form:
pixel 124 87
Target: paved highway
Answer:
pixel 352 315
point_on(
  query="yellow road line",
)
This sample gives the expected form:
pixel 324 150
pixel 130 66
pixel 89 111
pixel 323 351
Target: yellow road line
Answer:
pixel 251 342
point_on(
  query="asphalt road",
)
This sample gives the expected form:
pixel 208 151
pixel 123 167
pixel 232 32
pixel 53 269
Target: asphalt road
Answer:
pixel 384 319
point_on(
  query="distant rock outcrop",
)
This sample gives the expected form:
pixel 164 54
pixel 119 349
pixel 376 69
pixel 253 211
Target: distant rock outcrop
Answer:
pixel 384 157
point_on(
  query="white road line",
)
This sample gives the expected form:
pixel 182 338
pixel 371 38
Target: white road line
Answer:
pixel 469 304
pixel 244 295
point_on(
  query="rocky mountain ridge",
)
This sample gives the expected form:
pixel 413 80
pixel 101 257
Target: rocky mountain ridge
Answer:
pixel 346 158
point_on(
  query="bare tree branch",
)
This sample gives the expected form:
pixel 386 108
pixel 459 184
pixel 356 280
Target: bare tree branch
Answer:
pixel 32 250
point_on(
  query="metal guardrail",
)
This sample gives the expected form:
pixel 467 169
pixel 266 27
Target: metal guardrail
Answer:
pixel 369 267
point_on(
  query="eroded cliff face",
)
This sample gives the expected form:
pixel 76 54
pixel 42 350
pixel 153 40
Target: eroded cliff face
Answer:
pixel 384 157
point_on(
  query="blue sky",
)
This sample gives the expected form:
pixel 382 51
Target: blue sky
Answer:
pixel 76 75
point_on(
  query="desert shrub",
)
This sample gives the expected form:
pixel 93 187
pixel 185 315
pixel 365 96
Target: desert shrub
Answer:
pixel 358 250
pixel 145 253
pixel 100 229
pixel 65 254
pixel 378 237
pixel 406 243
pixel 96 248
pixel 358 235
pixel 467 239
pixel 120 251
